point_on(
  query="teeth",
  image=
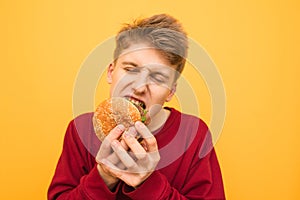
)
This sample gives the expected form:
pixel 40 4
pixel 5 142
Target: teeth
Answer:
pixel 136 102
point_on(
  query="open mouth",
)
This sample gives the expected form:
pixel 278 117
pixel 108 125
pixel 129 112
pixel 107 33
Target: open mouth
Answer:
pixel 138 103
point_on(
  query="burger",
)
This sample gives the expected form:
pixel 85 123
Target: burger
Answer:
pixel 117 110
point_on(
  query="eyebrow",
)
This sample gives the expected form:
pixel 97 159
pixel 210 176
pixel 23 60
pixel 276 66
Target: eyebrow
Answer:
pixel 129 63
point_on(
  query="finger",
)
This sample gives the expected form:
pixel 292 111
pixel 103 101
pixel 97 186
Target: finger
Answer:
pixel 121 166
pixel 123 155
pixel 105 148
pixel 138 151
pixel 132 131
pixel 147 163
pixel 115 133
pixel 123 143
pixel 104 152
pixel 147 135
pixel 111 168
pixel 144 145
pixel 113 158
pixel 104 163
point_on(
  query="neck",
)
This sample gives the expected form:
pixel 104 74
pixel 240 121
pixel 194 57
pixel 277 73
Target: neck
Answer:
pixel 158 120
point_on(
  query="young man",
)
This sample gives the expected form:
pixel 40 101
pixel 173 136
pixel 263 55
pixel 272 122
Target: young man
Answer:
pixel 176 159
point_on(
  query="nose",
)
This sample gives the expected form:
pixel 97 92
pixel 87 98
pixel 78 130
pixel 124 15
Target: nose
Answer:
pixel 140 85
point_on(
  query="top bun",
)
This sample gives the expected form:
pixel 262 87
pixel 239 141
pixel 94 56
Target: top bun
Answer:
pixel 114 111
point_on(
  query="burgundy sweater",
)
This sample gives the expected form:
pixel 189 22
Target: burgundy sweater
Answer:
pixel 188 168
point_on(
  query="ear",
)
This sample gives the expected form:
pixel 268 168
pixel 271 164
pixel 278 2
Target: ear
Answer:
pixel 172 92
pixel 110 70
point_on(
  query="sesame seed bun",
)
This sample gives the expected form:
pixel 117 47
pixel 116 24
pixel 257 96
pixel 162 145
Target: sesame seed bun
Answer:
pixel 114 111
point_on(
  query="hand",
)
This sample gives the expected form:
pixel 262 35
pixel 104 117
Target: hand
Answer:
pixel 139 163
pixel 106 152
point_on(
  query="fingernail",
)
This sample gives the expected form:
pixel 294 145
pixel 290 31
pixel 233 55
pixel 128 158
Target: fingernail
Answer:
pixel 139 124
pixel 120 127
pixel 126 134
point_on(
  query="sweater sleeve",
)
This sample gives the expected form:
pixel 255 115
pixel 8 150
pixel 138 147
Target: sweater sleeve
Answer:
pixel 204 180
pixel 76 177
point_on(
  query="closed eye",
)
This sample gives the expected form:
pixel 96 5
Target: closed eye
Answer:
pixel 131 69
pixel 159 77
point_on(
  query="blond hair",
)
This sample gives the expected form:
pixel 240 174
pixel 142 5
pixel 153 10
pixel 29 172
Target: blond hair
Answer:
pixel 162 32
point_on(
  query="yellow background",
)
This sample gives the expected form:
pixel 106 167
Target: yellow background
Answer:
pixel 255 45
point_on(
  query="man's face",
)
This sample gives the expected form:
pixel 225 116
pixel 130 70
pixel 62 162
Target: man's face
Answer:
pixel 142 73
